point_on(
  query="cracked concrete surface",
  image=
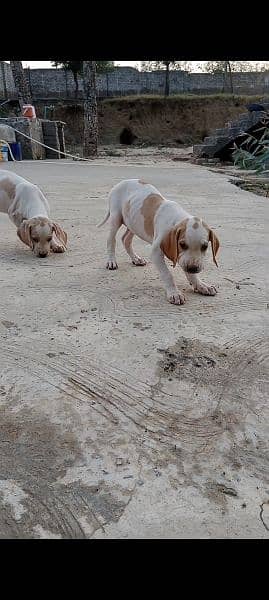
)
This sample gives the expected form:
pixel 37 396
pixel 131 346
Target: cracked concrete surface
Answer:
pixel 123 416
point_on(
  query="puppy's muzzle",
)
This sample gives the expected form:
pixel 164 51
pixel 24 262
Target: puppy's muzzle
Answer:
pixel 42 254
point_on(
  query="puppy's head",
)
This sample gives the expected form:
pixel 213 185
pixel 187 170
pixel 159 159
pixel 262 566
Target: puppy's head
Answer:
pixel 187 243
pixel 37 234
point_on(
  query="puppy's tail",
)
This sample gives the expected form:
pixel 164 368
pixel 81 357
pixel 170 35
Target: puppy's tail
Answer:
pixel 105 219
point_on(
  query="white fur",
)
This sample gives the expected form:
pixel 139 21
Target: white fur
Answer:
pixel 125 203
pixel 27 203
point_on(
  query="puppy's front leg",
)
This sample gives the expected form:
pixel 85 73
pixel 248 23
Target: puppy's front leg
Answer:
pixel 200 286
pixel 173 294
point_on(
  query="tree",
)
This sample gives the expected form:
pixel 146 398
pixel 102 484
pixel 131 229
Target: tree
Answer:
pixel 168 65
pixel 76 67
pixel 90 109
pixel 227 68
pixel 21 83
pixel 237 66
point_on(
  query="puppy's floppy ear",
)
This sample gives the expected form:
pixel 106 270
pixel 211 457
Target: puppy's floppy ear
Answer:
pixel 24 233
pixel 60 233
pixel 215 244
pixel 169 244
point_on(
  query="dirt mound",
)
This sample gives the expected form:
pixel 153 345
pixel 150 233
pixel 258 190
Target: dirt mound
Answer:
pixel 151 120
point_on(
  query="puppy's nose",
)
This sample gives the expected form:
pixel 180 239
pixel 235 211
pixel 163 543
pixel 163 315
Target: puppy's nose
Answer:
pixel 43 254
pixel 193 269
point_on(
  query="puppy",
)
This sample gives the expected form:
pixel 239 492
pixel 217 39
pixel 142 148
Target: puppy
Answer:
pixel 28 209
pixel 171 231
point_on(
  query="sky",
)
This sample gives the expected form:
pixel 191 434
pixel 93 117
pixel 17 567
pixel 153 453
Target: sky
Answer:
pixel 47 64
pixel 196 66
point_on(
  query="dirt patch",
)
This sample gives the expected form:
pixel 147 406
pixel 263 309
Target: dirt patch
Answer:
pixel 260 188
pixel 34 455
pixel 189 359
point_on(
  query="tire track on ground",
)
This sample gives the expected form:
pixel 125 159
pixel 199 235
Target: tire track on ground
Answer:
pixel 115 395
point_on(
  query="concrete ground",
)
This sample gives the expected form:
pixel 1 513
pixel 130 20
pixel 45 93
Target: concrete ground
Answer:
pixel 123 416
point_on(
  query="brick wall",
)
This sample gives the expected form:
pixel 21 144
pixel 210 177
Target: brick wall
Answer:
pixel 57 83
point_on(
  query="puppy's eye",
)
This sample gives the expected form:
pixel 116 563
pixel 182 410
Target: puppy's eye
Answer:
pixel 204 247
pixel 49 239
pixel 35 239
pixel 183 246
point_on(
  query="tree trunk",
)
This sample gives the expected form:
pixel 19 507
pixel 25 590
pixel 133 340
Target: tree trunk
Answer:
pixel 4 79
pixel 167 78
pixel 75 75
pixel 90 109
pixel 225 71
pixel 21 83
pixel 230 76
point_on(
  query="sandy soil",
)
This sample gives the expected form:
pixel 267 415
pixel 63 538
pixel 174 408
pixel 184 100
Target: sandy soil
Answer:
pixel 121 415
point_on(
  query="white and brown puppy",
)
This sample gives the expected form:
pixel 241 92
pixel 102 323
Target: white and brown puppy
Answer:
pixel 28 209
pixel 171 231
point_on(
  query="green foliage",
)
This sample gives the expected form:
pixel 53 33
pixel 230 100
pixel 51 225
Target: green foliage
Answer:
pixel 237 66
pixel 172 65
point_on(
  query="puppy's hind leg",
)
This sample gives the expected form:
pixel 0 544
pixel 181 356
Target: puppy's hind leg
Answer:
pixel 127 239
pixel 115 224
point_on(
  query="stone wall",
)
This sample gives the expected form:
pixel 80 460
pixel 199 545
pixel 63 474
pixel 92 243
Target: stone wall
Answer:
pixel 122 81
pixel 7 87
pixel 127 81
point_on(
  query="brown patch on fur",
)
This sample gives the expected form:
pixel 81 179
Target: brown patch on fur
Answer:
pixel 195 225
pixel 148 210
pixel 7 186
pixel 170 243
pixel 214 240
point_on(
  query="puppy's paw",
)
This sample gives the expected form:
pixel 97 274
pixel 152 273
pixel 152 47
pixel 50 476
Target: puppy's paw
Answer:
pixel 58 247
pixel 206 290
pixel 176 298
pixel 111 265
pixel 138 261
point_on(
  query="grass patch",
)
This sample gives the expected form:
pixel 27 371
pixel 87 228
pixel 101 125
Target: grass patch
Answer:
pixel 211 98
